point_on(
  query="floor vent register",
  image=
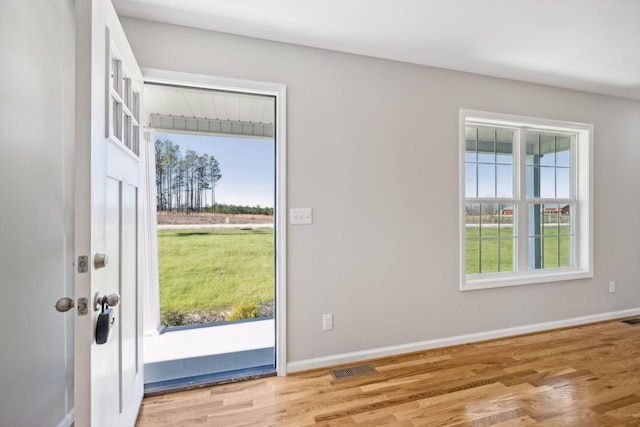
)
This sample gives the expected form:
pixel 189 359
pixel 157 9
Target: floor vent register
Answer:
pixel 352 372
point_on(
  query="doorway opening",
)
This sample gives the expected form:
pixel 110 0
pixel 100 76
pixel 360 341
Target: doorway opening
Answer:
pixel 212 317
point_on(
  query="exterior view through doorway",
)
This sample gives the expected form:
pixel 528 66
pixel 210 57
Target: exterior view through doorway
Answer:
pixel 211 317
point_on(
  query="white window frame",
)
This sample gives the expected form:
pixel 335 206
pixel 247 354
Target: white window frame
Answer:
pixel 582 182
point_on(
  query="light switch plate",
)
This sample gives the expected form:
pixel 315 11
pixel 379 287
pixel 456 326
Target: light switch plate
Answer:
pixel 301 216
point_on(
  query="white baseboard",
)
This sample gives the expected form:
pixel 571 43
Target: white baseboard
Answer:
pixel 338 359
pixel 67 420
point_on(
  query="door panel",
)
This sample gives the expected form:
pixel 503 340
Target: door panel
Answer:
pixel 112 285
pixel 129 290
pixel 108 377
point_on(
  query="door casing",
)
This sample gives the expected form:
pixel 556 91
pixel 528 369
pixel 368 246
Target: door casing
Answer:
pixel 278 91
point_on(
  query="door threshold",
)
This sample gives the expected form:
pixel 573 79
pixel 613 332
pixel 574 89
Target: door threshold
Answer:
pixel 205 341
pixel 201 381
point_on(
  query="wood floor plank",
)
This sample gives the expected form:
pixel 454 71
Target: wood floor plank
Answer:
pixel 583 376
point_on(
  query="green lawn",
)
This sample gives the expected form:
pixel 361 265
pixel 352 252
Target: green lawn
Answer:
pixel 214 268
pixel 493 250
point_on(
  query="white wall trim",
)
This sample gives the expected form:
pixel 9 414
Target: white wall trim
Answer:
pixel 279 91
pixel 322 362
pixel 67 420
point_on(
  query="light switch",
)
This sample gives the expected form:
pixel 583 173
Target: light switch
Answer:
pixel 300 216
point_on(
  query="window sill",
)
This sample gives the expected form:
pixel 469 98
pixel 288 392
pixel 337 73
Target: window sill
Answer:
pixel 501 281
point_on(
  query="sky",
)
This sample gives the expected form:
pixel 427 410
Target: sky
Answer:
pixel 247 166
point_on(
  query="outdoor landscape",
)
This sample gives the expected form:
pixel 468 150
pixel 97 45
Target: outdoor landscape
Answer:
pixel 489 239
pixel 211 274
pixel 216 260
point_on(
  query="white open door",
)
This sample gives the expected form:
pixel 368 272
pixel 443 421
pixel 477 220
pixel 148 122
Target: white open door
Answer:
pixel 108 377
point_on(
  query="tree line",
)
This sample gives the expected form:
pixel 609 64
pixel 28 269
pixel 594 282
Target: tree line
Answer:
pixel 235 209
pixel 182 181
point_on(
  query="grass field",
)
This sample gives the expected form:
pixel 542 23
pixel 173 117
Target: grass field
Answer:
pixel 494 252
pixel 218 269
pixel 214 268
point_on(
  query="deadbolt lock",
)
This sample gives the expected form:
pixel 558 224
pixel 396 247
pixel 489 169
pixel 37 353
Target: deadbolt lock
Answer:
pixel 100 261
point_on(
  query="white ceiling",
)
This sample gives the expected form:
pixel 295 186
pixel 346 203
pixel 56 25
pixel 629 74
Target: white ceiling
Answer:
pixel 589 45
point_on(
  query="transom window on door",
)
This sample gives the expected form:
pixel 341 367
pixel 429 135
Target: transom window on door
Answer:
pixel 123 109
pixel 525 200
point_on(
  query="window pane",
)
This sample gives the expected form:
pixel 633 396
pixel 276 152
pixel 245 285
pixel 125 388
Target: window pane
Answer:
pixel 563 183
pixel 547 150
pixel 472 253
pixel 504 146
pixel 535 253
pixel 506 255
pixel 534 246
pixel 471 146
pixel 550 251
pixel 116 119
pixel 506 239
pixel 470 180
pixel 472 243
pixel 488 255
pixel 116 76
pixel 550 236
pixel 547 183
pixel 135 140
pixel 486 145
pixel 126 93
pixel 532 148
pixel 126 131
pixel 136 106
pixel 506 220
pixel 550 218
pixel 533 181
pixel 563 151
pixel 553 178
pixel 491 150
pixel 504 181
pixel 566 250
pixel 486 180
pixel 488 214
pixel 496 251
pixel 472 220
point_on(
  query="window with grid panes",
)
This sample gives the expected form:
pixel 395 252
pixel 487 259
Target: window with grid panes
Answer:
pixel 525 199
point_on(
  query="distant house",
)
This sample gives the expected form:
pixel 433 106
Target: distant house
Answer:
pixel 563 210
pixel 550 210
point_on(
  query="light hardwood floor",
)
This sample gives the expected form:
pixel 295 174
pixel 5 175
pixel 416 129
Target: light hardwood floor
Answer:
pixel 582 376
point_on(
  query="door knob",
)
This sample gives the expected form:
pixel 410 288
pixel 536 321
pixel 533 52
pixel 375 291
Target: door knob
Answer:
pixel 111 300
pixel 64 304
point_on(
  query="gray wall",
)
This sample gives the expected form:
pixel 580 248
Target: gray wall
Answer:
pixel 373 149
pixel 36 215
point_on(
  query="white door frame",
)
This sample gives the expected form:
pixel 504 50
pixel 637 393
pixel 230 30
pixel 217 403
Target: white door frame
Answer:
pixel 259 88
